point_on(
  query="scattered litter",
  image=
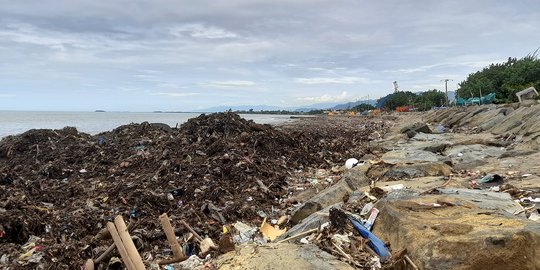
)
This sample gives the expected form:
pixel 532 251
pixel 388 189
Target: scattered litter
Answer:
pixel 270 232
pixel 534 216
pixel 366 209
pixel 375 243
pixel 372 217
pixel 245 232
pixel 393 187
pixel 351 162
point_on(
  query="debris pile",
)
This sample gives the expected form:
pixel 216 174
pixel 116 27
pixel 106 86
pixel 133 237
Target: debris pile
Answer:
pixel 63 187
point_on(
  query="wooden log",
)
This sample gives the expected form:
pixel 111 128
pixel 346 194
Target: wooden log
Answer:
pixel 120 246
pixel 128 243
pixel 171 237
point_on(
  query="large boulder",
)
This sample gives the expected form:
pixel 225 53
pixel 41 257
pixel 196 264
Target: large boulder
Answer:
pixel 465 229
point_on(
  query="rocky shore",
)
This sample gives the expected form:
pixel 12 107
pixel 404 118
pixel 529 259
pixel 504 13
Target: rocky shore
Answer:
pixel 453 189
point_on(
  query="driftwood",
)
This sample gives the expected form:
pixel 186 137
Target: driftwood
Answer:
pixel 120 246
pixel 171 237
pixel 128 243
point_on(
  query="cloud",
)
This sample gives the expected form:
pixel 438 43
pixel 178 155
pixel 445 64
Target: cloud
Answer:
pixel 201 31
pixel 332 80
pixel 344 96
pixel 174 94
pixel 229 84
pixel 277 50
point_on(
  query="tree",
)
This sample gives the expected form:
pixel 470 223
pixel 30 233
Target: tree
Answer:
pixel 503 79
pixel 362 107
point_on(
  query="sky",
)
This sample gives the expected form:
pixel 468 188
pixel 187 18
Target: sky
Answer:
pixel 129 55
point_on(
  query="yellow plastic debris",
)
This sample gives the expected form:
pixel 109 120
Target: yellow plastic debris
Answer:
pixel 269 232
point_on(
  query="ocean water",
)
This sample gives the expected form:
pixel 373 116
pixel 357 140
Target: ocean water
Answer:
pixel 15 122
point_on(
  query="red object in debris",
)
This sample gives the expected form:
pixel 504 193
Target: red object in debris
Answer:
pixel 123 200
pixel 2 233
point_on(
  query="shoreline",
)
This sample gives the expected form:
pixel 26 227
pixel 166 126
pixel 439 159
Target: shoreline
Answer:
pixel 213 162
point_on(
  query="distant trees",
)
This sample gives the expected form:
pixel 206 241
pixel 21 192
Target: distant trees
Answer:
pixel 362 107
pixel 422 101
pixel 503 79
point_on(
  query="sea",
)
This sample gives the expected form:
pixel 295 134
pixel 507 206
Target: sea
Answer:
pixel 16 122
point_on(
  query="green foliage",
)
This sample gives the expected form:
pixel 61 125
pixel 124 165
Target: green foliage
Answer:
pixel 429 99
pixel 314 112
pixel 399 99
pixel 362 107
pixel 503 79
pixel 422 101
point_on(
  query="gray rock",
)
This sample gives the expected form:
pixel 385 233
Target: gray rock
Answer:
pixel 417 127
pixel 471 229
pixel 311 222
pixel 325 198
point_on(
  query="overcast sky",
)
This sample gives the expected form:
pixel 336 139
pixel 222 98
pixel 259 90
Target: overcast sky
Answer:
pixel 184 55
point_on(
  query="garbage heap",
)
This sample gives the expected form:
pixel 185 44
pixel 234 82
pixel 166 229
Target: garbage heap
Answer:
pixel 59 188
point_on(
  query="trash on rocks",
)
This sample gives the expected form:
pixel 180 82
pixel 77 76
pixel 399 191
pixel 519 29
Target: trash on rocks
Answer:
pixel 393 187
pixel 530 199
pixel 440 129
pixel 534 216
pixel 490 178
pixel 372 217
pixel 304 240
pixel 366 209
pixel 351 162
pixel 190 263
pixel 206 245
pixel 526 175
pixel 270 232
pixel 375 243
pixel 488 181
pixel 245 232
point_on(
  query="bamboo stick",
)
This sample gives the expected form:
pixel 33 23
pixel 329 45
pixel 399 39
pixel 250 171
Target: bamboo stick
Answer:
pixel 128 243
pixel 120 246
pixel 197 236
pixel 171 237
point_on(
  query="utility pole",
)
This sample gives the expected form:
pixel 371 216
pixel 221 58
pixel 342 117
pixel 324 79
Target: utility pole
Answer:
pixel 446 89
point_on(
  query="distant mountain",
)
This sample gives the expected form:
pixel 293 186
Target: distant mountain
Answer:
pixel 242 108
pixel 317 106
pixel 349 105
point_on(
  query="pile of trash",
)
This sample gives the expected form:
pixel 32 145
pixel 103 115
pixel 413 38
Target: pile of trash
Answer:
pixel 60 188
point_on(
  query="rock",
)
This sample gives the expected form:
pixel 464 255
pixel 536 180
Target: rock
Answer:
pixel 470 156
pixel 410 156
pixel 407 171
pixel 325 198
pixel 313 221
pixel 280 256
pixel 478 231
pixel 416 127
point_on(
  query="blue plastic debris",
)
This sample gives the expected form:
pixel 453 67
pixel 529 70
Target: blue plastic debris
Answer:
pixel 374 243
